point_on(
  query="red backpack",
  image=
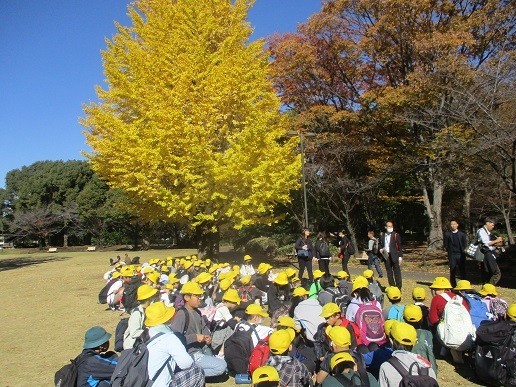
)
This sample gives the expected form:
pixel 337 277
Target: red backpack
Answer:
pixel 259 355
pixel 369 319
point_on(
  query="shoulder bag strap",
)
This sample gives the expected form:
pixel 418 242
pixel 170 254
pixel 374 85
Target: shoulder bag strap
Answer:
pixel 166 364
pixel 343 380
pixel 393 361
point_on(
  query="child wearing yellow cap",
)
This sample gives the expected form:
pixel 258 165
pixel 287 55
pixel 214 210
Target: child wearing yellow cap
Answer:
pixel 247 267
pixel 291 371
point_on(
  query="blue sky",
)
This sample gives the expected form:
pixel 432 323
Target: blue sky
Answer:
pixel 50 62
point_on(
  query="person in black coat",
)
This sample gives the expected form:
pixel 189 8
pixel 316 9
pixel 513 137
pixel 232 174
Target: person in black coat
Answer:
pixel 390 248
pixel 455 243
pixel 305 253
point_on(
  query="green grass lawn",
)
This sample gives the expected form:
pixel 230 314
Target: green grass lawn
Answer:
pixel 51 299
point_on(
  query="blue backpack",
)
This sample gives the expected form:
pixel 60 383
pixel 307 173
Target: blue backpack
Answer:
pixel 396 313
pixel 478 309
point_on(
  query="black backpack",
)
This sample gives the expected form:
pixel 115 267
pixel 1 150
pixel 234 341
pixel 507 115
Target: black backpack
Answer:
pixel 324 249
pixel 131 369
pixel 375 246
pixel 67 375
pixel 347 382
pixel 121 327
pixel 130 296
pixel 495 353
pixel 238 348
pixel 104 292
pixel 338 297
pixel 421 379
pixel 350 248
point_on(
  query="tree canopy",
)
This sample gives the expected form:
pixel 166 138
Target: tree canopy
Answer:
pixel 189 126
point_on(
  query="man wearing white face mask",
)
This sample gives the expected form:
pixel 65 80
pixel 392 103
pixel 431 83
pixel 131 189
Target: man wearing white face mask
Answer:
pixel 390 248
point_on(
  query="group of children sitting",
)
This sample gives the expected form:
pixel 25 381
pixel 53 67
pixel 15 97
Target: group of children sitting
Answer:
pixel 201 320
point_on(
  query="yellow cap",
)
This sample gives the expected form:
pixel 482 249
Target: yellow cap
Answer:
pixel 295 279
pixel 368 273
pixel 511 312
pixel 236 268
pixel 441 283
pixel 412 313
pixel 153 261
pixel 203 278
pixel 231 295
pixel 339 335
pixel 145 291
pixel 187 265
pixel 207 262
pixel 281 279
pixel 147 269
pixel 245 280
pixel 225 283
pixel 213 269
pixel 463 285
pixel 158 313
pixel 341 357
pixel 153 277
pixel 255 309
pixel 287 321
pixel 487 290
pixel 360 282
pixel 290 272
pixel 393 293
pixel 265 374
pixel 126 271
pixel 197 263
pixel 329 309
pixel 173 280
pixel 318 274
pixel 419 293
pixel 404 333
pixel 300 292
pixel 165 269
pixel 247 257
pixel 279 341
pixel 387 326
pixel 263 268
pixel 116 274
pixel 191 288
pixel 342 274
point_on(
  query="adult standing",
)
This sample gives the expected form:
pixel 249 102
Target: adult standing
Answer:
pixel 345 250
pixel 455 242
pixel 491 272
pixel 390 247
pixel 305 253
pixel 322 252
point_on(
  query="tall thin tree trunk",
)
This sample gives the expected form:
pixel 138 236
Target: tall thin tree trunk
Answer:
pixel 466 209
pixel 434 212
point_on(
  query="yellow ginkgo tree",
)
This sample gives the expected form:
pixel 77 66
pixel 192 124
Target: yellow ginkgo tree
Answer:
pixel 189 125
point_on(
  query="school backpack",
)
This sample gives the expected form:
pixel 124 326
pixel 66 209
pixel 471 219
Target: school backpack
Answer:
pixel 455 330
pixel 350 248
pixel 259 355
pixel 375 246
pixel 131 369
pixel 245 293
pixel 421 379
pixel 67 375
pixel 498 308
pixel 238 347
pixel 349 382
pixel 104 291
pixel 129 298
pixel 121 327
pixel 369 319
pixel 338 297
pixel 495 353
pixel 396 313
pixel 477 309
pixel 120 330
pixel 283 310
pixel 324 249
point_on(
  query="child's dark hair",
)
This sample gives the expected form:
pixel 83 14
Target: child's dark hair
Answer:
pixel 364 294
pixel 267 384
pixel 401 347
pixel 339 368
pixel 326 281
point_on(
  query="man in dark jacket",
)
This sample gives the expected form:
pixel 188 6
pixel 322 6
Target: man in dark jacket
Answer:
pixel 390 248
pixel 455 242
pixel 98 364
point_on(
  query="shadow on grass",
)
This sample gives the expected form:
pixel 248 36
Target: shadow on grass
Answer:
pixel 19 262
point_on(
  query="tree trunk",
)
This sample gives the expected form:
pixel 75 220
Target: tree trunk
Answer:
pixel 466 210
pixel 350 227
pixel 208 241
pixel 434 212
